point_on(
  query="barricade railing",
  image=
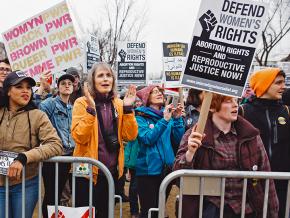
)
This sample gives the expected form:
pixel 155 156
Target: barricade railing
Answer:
pixel 212 183
pixel 74 160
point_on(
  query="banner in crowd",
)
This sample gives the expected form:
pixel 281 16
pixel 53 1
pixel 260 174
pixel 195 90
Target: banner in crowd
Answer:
pixel 93 51
pixel 76 212
pixel 46 41
pixel 174 60
pixel 131 63
pixel 285 66
pixel 224 40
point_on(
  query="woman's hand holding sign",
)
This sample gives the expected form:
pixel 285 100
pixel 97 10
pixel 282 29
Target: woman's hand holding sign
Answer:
pixel 15 170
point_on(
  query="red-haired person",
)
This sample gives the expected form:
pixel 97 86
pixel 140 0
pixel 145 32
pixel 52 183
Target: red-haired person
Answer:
pixel 229 143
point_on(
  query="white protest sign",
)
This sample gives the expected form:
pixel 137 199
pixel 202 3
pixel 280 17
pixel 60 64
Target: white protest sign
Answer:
pixel 6 159
pixel 46 41
pixel 67 212
pixel 174 60
pixel 285 66
pixel 224 40
pixel 93 51
pixel 131 63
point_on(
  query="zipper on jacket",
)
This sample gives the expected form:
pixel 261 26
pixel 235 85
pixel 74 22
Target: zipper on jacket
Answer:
pixel 275 139
pixel 105 108
pixel 270 133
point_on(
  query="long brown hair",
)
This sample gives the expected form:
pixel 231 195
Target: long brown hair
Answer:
pixel 91 78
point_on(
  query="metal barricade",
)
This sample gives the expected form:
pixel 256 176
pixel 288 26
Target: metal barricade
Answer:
pixel 212 183
pixel 73 160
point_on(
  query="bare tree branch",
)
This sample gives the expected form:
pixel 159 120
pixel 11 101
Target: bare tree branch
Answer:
pixel 276 28
pixel 125 20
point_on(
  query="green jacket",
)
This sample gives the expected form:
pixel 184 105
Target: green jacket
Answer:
pixel 131 153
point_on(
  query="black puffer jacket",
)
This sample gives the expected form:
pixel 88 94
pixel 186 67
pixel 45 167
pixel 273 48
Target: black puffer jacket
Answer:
pixel 271 117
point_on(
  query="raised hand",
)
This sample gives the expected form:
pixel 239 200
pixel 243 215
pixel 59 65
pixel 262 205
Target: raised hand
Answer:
pixel 177 112
pixel 45 82
pixel 130 96
pixel 89 98
pixel 167 113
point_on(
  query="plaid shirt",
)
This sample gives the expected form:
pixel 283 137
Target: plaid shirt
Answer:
pixel 226 158
pixel 240 149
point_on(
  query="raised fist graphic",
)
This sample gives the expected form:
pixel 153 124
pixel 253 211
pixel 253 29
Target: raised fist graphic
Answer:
pixel 208 22
pixel 122 55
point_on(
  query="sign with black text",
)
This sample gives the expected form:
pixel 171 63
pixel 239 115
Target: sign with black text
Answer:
pixel 174 59
pixel 225 37
pixel 93 51
pixel 132 63
pixel 6 159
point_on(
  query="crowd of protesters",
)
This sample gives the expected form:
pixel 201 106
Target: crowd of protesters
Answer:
pixel 142 136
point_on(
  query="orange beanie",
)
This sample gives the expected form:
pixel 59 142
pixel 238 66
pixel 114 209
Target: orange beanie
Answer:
pixel 261 80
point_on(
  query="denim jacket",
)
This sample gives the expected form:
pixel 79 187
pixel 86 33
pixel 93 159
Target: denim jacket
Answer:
pixel 60 115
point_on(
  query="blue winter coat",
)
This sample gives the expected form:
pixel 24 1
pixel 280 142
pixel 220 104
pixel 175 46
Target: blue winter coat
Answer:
pixel 60 115
pixel 156 138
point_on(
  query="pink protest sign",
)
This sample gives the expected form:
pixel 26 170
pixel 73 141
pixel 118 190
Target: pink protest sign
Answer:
pixel 46 41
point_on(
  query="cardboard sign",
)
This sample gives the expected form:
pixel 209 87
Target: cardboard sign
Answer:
pixel 68 212
pixel 174 60
pixel 224 40
pixel 132 63
pixel 93 51
pixel 6 159
pixel 46 41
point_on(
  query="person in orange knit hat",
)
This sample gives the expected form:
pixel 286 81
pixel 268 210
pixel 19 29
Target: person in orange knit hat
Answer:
pixel 267 113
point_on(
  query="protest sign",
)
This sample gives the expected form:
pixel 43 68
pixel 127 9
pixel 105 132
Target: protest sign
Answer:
pixel 285 66
pixel 224 40
pixel 132 63
pixel 76 212
pixel 6 158
pixel 174 59
pixel 93 51
pixel 46 41
pixel 157 82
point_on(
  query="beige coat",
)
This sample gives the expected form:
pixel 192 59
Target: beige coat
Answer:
pixel 38 143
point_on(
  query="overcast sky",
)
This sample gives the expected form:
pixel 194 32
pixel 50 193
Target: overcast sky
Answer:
pixel 168 20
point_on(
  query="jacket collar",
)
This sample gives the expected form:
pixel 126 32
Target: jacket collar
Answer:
pixel 244 130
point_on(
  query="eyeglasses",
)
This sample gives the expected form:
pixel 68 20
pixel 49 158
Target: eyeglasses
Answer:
pixel 155 92
pixel 6 69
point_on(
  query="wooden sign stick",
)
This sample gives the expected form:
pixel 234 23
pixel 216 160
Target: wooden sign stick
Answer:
pixel 204 112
